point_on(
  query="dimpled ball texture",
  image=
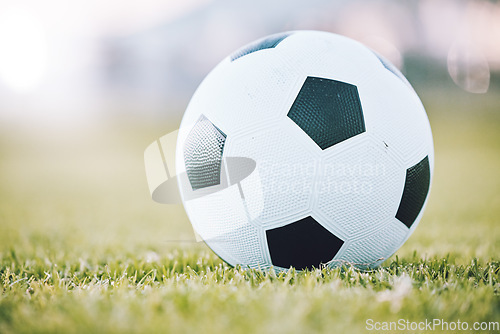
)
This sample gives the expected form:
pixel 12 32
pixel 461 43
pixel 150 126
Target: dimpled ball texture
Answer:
pixel 304 149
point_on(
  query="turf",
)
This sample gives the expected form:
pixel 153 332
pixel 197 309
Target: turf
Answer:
pixel 83 249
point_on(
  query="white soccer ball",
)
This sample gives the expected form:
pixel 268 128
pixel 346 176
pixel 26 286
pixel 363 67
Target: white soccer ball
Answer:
pixel 304 149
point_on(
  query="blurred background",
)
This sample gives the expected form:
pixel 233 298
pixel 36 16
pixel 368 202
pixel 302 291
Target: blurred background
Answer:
pixel 85 86
pixel 74 61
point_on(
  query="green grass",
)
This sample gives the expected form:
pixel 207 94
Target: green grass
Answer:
pixel 83 249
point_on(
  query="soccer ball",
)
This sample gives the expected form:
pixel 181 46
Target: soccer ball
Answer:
pixel 304 149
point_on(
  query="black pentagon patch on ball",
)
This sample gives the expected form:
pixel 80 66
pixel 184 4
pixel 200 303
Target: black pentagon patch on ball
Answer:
pixel 203 150
pixel 415 192
pixel 303 244
pixel 329 111
pixel 268 42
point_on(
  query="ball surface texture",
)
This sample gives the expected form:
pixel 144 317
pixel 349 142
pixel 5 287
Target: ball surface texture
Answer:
pixel 304 149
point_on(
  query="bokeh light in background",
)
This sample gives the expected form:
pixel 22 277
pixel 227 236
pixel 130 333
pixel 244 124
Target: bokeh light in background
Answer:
pixel 75 62
pixel 23 59
pixel 51 54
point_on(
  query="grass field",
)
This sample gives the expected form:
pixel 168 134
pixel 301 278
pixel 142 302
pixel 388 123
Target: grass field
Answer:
pixel 83 249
